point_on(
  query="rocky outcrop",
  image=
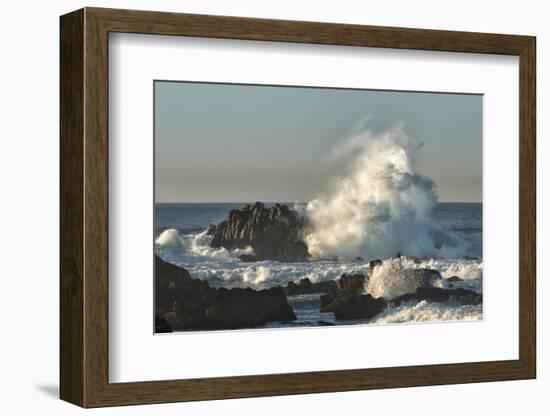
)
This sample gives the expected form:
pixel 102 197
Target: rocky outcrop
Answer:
pixel 438 295
pixel 348 300
pixel 351 283
pixel 356 307
pixel 273 233
pixel 184 303
pixel 211 230
pixel 306 287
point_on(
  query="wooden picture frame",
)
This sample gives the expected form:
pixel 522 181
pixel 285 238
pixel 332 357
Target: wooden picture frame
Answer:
pixel 84 207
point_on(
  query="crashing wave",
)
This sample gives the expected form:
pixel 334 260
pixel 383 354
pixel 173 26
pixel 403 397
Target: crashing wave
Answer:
pixel 380 206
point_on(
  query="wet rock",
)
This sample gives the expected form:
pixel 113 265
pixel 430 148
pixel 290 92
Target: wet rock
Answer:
pixel 305 286
pixel 453 279
pixel 351 283
pixel 355 306
pixel 421 277
pixel 348 300
pixel 248 258
pixel 186 303
pixel 211 230
pixel 345 286
pixel 274 233
pixel 437 294
pixel 374 263
pixel 326 300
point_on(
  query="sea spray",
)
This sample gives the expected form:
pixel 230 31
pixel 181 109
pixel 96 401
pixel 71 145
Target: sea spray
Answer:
pixel 195 245
pixel 380 206
pixel 170 238
pixel 393 278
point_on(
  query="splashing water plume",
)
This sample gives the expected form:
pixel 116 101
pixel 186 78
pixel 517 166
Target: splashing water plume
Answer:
pixel 380 206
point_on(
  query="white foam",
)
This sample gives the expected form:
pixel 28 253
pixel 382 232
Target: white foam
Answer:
pixel 169 238
pixel 223 267
pixel 380 206
pixel 429 312
pixel 392 279
pixel 256 274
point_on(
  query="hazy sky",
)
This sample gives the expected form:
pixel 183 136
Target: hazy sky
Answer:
pixel 240 143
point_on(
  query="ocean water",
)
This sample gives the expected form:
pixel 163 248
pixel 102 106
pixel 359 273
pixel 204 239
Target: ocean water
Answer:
pixel 180 239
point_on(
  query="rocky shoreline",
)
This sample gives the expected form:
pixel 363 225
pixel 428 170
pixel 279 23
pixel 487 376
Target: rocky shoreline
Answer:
pixel 183 303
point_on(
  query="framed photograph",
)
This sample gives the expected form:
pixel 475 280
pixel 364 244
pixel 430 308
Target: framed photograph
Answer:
pixel 255 207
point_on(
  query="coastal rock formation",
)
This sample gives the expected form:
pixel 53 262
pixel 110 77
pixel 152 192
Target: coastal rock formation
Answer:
pixel 348 300
pixel 437 294
pixel 211 230
pixel 356 307
pixel 305 287
pixel 183 303
pixel 351 283
pixel 273 233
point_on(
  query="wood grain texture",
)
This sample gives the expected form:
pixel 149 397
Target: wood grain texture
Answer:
pixel 71 208
pixel 84 207
pixel 527 208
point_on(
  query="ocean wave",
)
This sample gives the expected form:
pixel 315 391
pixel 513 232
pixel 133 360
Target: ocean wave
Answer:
pixel 380 206
pixel 195 246
pixel 391 279
pixel 223 267
pixel 429 312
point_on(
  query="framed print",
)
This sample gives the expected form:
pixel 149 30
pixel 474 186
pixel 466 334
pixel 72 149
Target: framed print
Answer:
pixel 255 207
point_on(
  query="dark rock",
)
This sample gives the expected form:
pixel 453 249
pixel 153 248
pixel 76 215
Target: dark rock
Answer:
pixel 437 294
pixel 305 286
pixel 274 233
pixel 359 258
pixel 162 325
pixel 186 303
pixel 326 300
pixel 351 283
pixel 374 263
pixel 356 307
pixel 242 308
pixel 248 258
pixel 348 300
pixel 211 230
pixel 170 282
pixel 421 277
pixel 454 279
pixel 325 323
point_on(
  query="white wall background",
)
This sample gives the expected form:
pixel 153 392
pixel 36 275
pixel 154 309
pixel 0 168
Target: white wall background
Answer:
pixel 29 160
